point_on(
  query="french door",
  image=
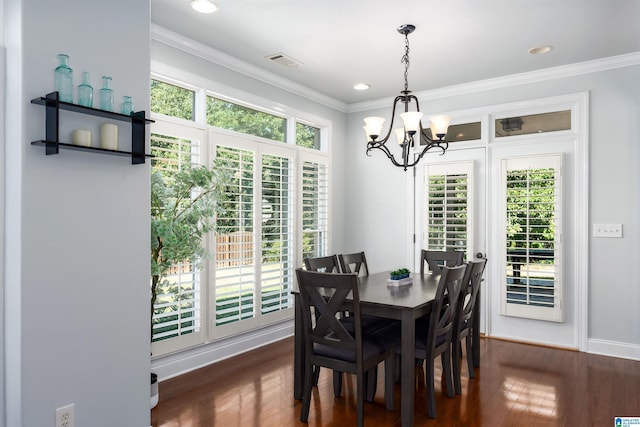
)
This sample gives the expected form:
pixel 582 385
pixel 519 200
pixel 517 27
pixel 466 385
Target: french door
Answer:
pixel 488 202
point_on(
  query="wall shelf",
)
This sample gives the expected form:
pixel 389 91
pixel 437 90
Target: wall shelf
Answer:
pixel 52 142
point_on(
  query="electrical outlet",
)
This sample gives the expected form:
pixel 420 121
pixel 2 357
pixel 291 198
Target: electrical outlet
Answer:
pixel 64 416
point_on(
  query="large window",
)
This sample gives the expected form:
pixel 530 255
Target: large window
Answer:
pixel 274 212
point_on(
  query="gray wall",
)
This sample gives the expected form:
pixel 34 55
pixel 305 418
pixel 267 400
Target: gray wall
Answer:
pixel 614 294
pixel 77 241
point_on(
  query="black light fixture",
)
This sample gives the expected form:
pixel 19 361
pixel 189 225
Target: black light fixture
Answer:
pixel 406 135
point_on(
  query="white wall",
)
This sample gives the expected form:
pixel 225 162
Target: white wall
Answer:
pixel 614 177
pixel 77 271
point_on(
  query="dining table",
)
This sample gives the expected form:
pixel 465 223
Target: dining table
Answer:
pixel 405 303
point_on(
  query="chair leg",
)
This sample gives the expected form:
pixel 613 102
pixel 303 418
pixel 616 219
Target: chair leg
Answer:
pixel 446 368
pixel 360 392
pixel 316 375
pixel 337 383
pixel 455 353
pixel 431 398
pixel 306 393
pixel 472 373
pixel 371 384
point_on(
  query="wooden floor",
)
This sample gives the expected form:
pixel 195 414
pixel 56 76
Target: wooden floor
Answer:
pixel 516 385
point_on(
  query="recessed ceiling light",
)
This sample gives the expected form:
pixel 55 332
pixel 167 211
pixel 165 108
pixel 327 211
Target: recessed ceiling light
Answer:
pixel 361 86
pixel 203 6
pixel 539 50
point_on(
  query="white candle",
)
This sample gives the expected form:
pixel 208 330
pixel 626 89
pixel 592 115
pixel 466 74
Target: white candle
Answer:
pixel 109 136
pixel 81 137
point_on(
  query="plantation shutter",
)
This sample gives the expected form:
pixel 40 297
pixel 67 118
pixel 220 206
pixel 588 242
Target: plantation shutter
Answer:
pixel 235 239
pixel 276 276
pixel 315 208
pixel 532 244
pixel 178 312
pixel 448 207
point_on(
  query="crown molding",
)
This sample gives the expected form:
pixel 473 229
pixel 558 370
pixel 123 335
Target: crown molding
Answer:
pixel 178 41
pixel 514 80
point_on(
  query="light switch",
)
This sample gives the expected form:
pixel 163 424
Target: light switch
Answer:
pixel 607 230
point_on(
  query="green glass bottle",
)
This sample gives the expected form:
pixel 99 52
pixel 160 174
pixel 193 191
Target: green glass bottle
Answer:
pixel 85 91
pixel 64 79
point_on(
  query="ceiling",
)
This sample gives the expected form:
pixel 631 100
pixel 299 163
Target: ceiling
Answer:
pixel 344 42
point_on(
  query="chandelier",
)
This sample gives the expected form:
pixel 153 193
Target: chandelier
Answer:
pixel 412 130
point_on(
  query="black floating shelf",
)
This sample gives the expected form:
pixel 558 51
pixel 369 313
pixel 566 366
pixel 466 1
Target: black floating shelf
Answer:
pixel 66 146
pixel 52 142
pixel 87 110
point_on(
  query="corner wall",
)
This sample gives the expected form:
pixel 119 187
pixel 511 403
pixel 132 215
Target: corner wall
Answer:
pixel 77 270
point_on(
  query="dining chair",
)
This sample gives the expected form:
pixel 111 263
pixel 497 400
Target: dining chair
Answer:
pixel 324 264
pixel 357 263
pixel 328 343
pixel 434 332
pixel 467 302
pixel 357 260
pixel 438 259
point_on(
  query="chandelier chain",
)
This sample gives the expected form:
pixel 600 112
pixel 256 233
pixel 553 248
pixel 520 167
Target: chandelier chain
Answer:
pixel 405 61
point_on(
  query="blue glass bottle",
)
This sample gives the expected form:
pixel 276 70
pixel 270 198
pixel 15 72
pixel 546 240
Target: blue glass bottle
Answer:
pixel 127 105
pixel 64 79
pixel 106 94
pixel 85 91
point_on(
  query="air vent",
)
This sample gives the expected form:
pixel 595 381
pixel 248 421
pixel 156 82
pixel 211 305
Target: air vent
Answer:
pixel 282 59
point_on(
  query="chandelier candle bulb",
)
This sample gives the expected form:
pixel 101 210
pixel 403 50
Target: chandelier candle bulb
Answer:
pixel 399 132
pixel 373 126
pixel 439 126
pixel 411 120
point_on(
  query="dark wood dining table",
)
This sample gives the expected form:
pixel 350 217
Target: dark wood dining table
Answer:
pixel 405 303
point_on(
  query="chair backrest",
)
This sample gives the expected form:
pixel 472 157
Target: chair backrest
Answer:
pixel 359 262
pixel 438 259
pixel 443 311
pixel 469 291
pixel 324 264
pixel 322 296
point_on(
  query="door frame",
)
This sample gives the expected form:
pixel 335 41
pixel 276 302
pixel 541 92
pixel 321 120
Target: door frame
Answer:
pixel 578 103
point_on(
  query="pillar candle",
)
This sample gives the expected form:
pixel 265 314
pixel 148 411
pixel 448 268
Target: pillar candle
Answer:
pixel 81 137
pixel 109 136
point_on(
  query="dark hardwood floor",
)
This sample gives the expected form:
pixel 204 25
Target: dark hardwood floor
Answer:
pixel 516 385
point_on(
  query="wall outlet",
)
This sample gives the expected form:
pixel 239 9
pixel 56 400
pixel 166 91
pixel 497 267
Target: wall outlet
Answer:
pixel 607 230
pixel 64 416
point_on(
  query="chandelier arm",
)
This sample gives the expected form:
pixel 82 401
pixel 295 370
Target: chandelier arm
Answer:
pixel 441 145
pixel 385 150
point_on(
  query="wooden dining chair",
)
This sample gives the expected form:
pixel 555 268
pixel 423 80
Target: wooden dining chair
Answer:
pixel 467 303
pixel 328 343
pixel 324 264
pixel 354 263
pixel 435 332
pixel 438 259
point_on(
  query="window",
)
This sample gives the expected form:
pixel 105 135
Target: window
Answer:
pixel 530 271
pixel 307 136
pixel 227 115
pixel 533 123
pixel 448 206
pixel 172 100
pixel 460 132
pixel 276 187
pixel 315 209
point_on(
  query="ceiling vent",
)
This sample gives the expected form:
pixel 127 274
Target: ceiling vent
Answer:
pixel 282 59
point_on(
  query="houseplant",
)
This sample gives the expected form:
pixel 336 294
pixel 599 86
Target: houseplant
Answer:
pixel 183 209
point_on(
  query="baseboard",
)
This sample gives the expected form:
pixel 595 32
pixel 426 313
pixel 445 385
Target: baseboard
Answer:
pixel 613 349
pixel 175 364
